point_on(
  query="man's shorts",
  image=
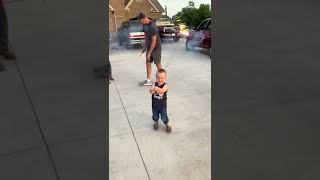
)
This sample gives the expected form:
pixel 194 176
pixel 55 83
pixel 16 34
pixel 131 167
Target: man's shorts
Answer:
pixel 156 60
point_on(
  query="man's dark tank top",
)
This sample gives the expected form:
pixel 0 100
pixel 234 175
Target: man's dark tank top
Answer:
pixel 158 100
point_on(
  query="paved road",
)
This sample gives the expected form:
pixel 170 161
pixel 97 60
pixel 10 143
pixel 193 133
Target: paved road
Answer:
pixel 137 152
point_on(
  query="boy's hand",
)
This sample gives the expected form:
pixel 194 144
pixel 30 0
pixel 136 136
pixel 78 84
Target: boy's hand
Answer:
pixel 151 90
pixel 161 90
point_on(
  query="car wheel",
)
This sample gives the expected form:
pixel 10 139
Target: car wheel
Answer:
pixel 176 38
pixel 190 45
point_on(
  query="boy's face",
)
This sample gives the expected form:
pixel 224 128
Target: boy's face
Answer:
pixel 161 77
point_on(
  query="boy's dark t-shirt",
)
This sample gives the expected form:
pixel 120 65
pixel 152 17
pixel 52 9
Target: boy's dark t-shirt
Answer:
pixel 159 101
pixel 151 30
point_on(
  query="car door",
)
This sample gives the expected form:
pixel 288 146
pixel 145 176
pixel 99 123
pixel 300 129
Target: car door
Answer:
pixel 206 42
pixel 199 35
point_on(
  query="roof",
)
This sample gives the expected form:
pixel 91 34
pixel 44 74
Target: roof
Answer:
pixel 154 3
pixel 111 8
pixel 157 5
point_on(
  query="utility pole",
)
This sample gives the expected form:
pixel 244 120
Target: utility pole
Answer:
pixel 166 10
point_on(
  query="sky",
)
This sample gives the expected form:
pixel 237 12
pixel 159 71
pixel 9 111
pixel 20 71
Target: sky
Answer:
pixel 174 6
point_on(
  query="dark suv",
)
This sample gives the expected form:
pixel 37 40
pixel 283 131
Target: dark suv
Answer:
pixel 131 33
pixel 200 36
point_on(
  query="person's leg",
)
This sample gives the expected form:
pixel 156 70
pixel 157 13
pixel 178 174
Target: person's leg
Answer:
pixel 148 81
pixel 159 66
pixel 149 70
pixel 158 62
pixel 155 118
pixel 165 119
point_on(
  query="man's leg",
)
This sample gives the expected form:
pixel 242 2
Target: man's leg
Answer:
pixel 149 70
pixel 159 66
pixel 158 62
pixel 148 81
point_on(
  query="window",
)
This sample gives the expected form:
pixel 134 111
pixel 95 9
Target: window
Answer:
pixel 202 26
pixel 208 25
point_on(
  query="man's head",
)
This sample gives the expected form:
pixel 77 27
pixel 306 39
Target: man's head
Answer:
pixel 143 18
pixel 161 76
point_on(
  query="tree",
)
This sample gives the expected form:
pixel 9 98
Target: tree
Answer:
pixel 192 17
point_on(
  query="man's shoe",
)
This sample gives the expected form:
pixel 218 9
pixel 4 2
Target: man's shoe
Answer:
pixel 8 55
pixel 156 126
pixel 168 128
pixel 146 83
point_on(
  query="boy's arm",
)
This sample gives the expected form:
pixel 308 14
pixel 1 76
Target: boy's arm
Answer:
pixel 161 90
pixel 151 90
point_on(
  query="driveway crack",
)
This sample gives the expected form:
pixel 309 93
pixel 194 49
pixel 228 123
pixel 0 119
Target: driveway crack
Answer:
pixel 34 111
pixel 135 139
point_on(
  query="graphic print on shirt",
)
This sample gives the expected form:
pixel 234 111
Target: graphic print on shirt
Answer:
pixel 158 96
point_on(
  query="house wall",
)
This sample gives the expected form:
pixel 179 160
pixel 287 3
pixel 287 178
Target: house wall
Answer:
pixel 112 26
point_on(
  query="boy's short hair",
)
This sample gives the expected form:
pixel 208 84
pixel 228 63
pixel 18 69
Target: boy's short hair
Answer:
pixel 162 71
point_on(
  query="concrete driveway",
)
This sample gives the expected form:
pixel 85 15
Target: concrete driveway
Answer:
pixel 136 151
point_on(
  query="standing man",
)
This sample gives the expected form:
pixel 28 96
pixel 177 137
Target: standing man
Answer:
pixel 153 46
pixel 4 40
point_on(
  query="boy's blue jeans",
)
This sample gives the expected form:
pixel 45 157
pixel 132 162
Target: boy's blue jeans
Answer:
pixel 162 112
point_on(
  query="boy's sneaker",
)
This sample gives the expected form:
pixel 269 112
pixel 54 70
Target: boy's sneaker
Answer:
pixel 156 126
pixel 168 128
pixel 146 82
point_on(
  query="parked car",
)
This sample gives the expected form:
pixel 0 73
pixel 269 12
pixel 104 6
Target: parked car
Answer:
pixel 131 33
pixel 200 36
pixel 168 30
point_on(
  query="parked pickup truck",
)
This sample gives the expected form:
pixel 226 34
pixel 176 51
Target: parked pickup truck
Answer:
pixel 167 30
pixel 131 33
